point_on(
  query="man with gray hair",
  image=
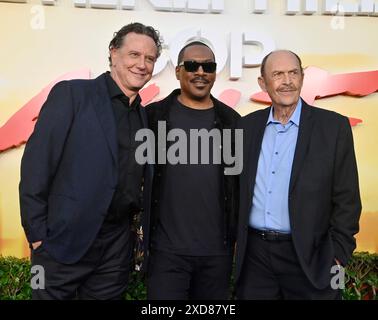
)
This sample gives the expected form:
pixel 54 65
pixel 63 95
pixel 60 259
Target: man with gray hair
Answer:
pixel 80 183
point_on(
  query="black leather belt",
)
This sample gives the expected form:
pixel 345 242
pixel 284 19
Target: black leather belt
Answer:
pixel 270 235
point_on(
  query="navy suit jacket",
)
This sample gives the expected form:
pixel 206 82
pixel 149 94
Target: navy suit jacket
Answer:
pixel 324 199
pixel 69 170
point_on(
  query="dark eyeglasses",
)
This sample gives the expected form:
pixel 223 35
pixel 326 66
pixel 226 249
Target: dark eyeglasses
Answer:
pixel 192 66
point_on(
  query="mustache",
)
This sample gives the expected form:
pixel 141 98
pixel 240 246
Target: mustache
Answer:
pixel 287 87
pixel 200 79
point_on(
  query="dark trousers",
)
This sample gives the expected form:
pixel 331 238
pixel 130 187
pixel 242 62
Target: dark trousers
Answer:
pixel 101 274
pixel 271 270
pixel 178 277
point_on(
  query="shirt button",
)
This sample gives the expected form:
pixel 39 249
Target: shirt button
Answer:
pixel 269 192
pixel 273 172
pixel 276 152
pixel 268 213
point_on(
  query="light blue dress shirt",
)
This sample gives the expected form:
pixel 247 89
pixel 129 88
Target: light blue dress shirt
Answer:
pixel 270 204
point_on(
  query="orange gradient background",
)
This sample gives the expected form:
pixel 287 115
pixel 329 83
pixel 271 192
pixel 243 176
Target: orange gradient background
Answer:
pixel 73 39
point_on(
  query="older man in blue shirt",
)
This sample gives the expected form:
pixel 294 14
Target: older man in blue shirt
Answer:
pixel 299 193
pixel 269 206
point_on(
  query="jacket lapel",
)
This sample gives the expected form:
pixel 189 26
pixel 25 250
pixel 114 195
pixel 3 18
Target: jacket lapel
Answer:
pixel 304 137
pixel 253 140
pixel 103 107
pixel 143 116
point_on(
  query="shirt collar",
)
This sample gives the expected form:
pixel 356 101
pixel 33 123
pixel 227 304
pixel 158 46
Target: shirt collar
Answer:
pixel 295 117
pixel 116 92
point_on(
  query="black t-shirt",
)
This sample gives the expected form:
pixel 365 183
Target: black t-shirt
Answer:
pixel 190 212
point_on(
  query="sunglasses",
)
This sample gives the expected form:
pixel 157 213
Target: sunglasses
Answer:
pixel 192 66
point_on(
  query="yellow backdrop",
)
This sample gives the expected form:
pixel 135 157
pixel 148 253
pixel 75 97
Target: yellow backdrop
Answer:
pixel 39 43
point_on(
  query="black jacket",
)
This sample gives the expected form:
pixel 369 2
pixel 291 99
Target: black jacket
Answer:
pixel 225 118
pixel 324 199
pixel 69 170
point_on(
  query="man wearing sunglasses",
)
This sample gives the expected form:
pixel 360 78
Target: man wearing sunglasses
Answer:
pixel 191 229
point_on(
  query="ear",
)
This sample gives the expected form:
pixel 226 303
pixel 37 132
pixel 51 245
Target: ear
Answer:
pixel 177 70
pixel 261 82
pixel 113 52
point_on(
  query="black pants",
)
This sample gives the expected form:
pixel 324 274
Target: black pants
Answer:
pixel 101 274
pixel 178 277
pixel 271 270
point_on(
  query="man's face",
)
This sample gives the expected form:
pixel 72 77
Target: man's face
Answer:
pixel 133 63
pixel 282 79
pixel 196 85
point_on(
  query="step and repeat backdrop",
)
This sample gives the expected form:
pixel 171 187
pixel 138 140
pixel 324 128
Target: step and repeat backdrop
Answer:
pixel 45 41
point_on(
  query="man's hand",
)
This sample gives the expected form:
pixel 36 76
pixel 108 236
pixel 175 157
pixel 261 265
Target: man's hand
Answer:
pixel 35 245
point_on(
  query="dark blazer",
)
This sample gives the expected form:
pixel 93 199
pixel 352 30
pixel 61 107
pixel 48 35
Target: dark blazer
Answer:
pixel 324 198
pixel 69 169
